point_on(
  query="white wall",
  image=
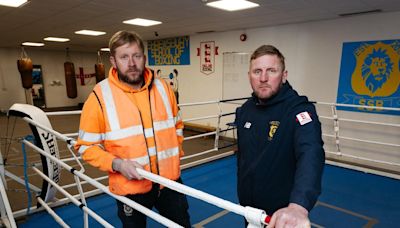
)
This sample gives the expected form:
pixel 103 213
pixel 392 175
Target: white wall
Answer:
pixel 312 50
pixel 52 63
pixel 313 53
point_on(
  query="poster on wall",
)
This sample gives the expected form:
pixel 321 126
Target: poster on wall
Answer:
pixel 171 51
pixel 369 75
pixel 37 87
pixel 207 53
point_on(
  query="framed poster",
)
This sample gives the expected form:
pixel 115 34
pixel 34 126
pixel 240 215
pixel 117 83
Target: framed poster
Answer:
pixel 171 51
pixel 369 75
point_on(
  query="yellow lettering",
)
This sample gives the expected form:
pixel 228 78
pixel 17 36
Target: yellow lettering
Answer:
pixel 379 103
pixel 370 103
pixel 361 102
pixel 177 60
pixel 168 51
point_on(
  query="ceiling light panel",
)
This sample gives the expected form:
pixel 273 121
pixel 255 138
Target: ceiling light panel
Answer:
pixel 90 32
pixel 13 3
pixel 232 5
pixel 142 22
pixel 56 39
pixel 33 44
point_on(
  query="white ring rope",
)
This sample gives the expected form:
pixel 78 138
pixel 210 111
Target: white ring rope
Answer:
pixel 244 211
pixel 200 118
pixel 361 158
pixel 322 117
pixel 199 103
pixel 58 219
pixel 7 208
pixel 200 135
pixel 73 200
pixel 200 153
pixel 187 190
pixel 227 205
pixel 63 113
pixel 55 133
pixel 254 216
pixel 359 106
pixel 359 121
pixel 105 189
pixel 362 140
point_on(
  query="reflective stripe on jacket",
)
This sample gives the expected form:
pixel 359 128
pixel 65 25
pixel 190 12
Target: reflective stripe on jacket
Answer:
pixel 124 135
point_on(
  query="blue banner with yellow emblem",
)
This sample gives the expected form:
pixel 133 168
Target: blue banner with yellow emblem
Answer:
pixel 369 75
pixel 171 51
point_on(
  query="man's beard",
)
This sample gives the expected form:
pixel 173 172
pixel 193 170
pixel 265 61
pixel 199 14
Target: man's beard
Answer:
pixel 270 96
pixel 131 81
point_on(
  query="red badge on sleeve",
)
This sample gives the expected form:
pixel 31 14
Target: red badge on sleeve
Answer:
pixel 303 118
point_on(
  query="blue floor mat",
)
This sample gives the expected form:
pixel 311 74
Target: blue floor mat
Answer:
pixel 349 199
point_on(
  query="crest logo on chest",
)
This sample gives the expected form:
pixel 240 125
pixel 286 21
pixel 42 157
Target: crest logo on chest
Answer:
pixel 273 126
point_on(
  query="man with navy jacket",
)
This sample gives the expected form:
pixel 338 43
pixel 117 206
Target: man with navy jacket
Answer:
pixel 280 148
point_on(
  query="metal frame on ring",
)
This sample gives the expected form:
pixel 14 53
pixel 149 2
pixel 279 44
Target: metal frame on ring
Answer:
pixel 255 216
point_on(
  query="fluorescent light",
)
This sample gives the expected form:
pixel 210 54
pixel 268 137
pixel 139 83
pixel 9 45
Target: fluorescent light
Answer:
pixel 13 3
pixel 56 39
pixel 104 49
pixel 33 44
pixel 232 5
pixel 142 22
pixel 90 32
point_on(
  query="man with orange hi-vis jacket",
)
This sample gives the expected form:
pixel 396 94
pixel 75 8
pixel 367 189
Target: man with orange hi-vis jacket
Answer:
pixel 131 120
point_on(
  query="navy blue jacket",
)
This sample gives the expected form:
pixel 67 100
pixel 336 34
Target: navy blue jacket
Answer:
pixel 280 157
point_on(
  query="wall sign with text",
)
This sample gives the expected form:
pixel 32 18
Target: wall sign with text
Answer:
pixel 369 75
pixel 171 51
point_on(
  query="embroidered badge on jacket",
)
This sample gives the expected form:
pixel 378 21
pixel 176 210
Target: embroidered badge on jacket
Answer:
pixel 128 210
pixel 303 118
pixel 247 125
pixel 273 126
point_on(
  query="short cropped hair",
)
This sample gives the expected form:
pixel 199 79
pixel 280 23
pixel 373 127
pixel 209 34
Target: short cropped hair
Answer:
pixel 268 50
pixel 123 37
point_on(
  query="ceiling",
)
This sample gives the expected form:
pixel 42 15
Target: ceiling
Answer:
pixel 42 18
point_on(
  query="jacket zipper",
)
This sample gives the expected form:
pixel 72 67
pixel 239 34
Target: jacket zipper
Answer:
pixel 152 128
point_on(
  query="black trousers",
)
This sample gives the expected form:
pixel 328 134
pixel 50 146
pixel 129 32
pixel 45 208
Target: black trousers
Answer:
pixel 169 203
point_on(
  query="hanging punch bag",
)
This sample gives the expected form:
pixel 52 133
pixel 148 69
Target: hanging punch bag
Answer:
pixel 70 80
pixel 25 68
pixel 99 69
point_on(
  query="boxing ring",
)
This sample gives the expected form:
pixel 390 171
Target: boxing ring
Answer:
pixel 210 185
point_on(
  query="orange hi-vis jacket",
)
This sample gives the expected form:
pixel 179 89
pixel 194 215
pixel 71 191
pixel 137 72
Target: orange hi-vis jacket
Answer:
pixel 142 125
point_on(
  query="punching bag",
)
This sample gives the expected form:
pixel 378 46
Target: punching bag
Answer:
pixel 99 69
pixel 70 81
pixel 25 68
